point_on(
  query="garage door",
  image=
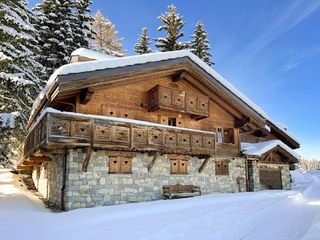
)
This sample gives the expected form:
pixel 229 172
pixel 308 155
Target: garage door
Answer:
pixel 270 178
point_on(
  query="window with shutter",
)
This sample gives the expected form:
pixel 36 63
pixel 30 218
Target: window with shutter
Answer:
pixel 120 165
pixel 178 166
pixel 222 167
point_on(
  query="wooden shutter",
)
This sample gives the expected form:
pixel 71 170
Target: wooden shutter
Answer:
pixel 126 165
pixel 183 166
pixel 174 166
pixel 114 164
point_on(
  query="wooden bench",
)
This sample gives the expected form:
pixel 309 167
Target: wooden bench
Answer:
pixel 179 190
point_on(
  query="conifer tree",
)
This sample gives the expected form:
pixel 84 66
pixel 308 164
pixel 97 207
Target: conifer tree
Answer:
pixel 64 26
pixel 200 44
pixel 19 83
pixel 106 36
pixel 55 33
pixel 173 25
pixel 142 46
pixel 83 32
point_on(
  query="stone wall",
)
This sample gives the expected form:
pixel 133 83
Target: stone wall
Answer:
pixel 55 171
pixel 97 187
pixel 40 180
pixel 285 176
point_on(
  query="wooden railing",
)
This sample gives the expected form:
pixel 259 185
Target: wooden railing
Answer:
pixel 168 98
pixel 66 130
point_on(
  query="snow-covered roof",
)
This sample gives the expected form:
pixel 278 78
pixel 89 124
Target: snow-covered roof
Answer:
pixel 84 52
pixel 258 149
pixel 112 63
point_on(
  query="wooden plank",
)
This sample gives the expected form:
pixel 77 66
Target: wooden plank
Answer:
pixel 21 167
pixel 38 159
pixel 37 164
pixel 120 154
pixel 178 156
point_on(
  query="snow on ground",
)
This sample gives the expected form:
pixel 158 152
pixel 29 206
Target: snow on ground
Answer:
pixel 271 214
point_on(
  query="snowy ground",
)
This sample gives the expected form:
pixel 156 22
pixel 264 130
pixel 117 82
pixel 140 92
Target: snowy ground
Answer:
pixel 262 215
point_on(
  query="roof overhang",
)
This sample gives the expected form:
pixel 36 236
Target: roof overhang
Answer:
pixel 263 149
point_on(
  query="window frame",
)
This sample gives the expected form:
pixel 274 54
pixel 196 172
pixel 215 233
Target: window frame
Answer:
pixel 222 167
pixel 121 166
pixel 182 166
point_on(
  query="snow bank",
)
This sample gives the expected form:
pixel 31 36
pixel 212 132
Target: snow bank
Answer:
pixel 269 214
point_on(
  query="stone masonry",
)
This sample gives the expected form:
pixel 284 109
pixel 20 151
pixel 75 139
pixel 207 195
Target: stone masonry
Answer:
pixel 97 187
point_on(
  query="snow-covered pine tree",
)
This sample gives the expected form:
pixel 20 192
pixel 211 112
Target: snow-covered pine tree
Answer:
pixel 83 32
pixel 106 36
pixel 55 33
pixel 142 46
pixel 173 25
pixel 19 83
pixel 200 44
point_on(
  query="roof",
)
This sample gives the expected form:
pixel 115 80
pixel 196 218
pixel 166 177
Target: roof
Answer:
pixel 259 149
pixel 103 66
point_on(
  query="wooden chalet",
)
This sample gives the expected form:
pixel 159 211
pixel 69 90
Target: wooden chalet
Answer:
pixel 109 130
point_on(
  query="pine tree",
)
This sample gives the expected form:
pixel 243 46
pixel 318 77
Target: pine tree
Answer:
pixel 55 33
pixel 173 25
pixel 200 44
pixel 63 27
pixel 83 32
pixel 106 36
pixel 142 46
pixel 19 83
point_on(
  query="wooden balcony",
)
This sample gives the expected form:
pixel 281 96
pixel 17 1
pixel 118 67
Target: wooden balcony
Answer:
pixel 56 131
pixel 167 98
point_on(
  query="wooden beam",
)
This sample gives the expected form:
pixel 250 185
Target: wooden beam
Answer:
pixel 37 164
pixel 85 95
pixel 87 159
pixel 155 157
pixel 203 165
pixel 20 167
pixel 179 76
pixel 38 159
pixel 241 122
pixel 120 154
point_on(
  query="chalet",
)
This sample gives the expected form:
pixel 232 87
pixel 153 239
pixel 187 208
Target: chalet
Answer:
pixel 109 130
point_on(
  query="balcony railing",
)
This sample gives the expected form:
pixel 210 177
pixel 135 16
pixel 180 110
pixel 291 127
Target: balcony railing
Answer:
pixel 57 130
pixel 167 98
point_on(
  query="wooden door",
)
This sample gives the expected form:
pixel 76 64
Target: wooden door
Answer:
pixel 270 178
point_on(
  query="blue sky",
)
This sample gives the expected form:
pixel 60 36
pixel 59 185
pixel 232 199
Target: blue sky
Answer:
pixel 269 50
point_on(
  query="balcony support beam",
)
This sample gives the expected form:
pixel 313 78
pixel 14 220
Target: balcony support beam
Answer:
pixel 156 155
pixel 87 159
pixel 204 163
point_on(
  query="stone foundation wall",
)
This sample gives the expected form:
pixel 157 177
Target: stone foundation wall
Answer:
pixel 40 181
pixel 285 176
pixel 55 170
pixel 97 187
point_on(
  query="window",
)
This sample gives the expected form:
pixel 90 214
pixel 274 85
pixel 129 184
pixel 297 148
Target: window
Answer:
pixel 225 135
pixel 172 122
pixel 120 165
pixel 179 166
pixel 219 135
pixel 222 167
